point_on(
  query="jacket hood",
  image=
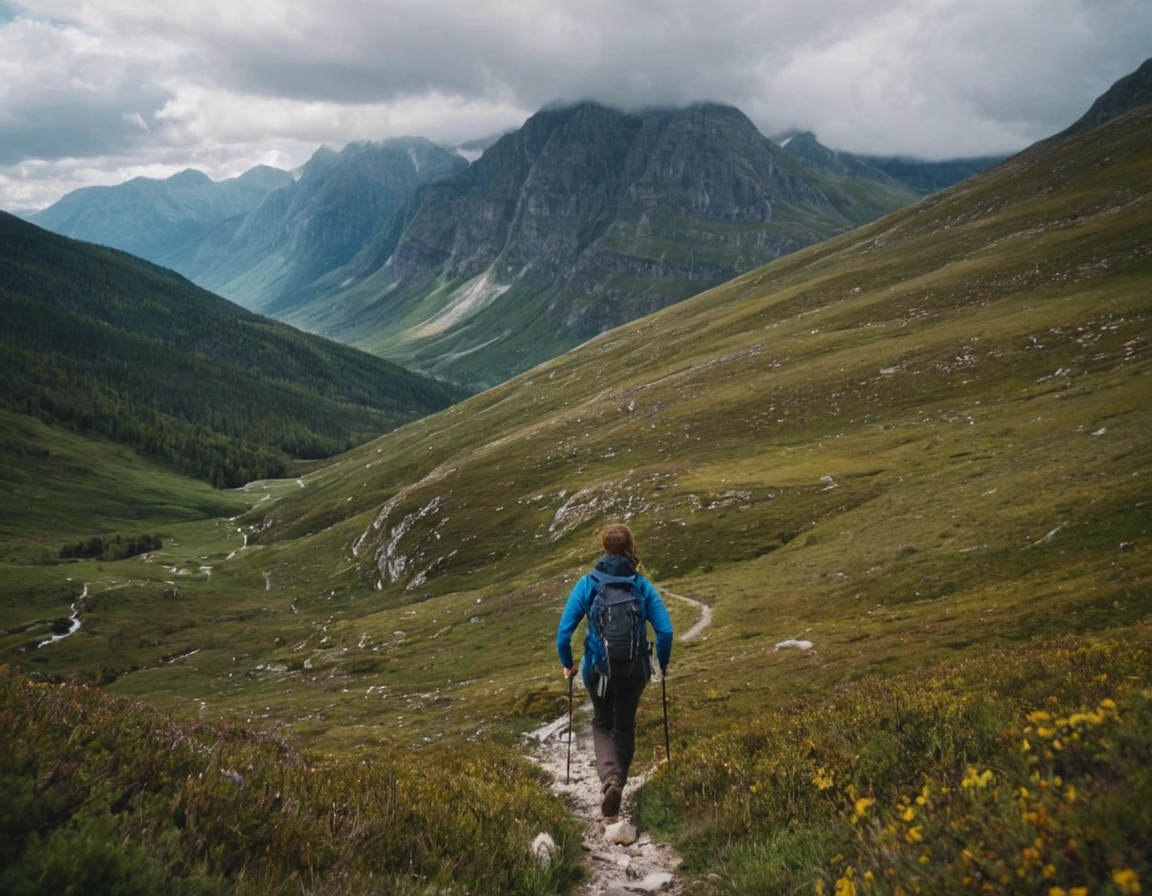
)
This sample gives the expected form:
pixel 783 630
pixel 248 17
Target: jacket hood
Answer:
pixel 615 565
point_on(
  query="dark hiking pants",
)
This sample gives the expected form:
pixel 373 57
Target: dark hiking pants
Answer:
pixel 614 721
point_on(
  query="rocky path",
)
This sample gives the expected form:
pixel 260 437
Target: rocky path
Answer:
pixel 621 859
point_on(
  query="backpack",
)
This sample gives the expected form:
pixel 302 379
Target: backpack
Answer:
pixel 617 618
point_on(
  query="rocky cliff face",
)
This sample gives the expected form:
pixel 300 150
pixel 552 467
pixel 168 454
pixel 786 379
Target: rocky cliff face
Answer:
pixel 585 218
pixel 547 194
pixel 342 201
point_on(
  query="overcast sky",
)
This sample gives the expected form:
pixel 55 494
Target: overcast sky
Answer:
pixel 99 91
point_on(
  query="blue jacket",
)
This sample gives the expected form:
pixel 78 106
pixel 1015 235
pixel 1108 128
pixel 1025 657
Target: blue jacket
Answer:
pixel 580 602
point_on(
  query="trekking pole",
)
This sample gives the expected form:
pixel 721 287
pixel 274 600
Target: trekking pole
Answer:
pixel 664 696
pixel 568 772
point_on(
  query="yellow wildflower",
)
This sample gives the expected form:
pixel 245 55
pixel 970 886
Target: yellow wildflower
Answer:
pixel 915 835
pixel 822 779
pixel 1078 891
pixel 862 806
pixel 908 814
pixel 974 778
pixel 1056 891
pixel 1127 880
pixel 845 887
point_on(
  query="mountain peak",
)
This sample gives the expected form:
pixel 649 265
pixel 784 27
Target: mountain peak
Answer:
pixel 189 177
pixel 1132 90
pixel 265 176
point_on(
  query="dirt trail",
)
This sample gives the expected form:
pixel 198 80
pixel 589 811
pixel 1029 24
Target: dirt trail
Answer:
pixel 702 623
pixel 614 869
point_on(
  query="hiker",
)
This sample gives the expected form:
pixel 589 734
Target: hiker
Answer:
pixel 615 686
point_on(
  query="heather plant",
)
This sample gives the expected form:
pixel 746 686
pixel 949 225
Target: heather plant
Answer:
pixel 1025 771
pixel 112 795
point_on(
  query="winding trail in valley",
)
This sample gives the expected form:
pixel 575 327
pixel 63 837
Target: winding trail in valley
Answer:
pixel 614 868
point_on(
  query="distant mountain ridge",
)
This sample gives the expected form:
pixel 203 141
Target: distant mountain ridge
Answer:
pixel 270 259
pixel 583 219
pixel 917 174
pixel 153 218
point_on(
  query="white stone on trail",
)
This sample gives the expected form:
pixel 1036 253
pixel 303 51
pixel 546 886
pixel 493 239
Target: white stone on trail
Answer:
pixel 621 833
pixel 542 734
pixel 653 883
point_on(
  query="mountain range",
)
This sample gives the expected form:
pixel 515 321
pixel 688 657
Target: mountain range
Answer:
pixel 585 218
pixel 899 482
pixel 154 218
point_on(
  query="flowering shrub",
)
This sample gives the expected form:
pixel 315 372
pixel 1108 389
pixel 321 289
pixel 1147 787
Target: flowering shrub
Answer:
pixel 1068 814
pixel 934 782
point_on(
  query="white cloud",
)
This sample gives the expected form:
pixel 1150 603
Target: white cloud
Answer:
pixel 90 90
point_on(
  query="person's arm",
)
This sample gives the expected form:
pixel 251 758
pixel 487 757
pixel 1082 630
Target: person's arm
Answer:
pixel 574 611
pixel 661 622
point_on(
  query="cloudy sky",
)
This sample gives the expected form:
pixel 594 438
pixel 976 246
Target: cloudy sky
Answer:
pixel 98 91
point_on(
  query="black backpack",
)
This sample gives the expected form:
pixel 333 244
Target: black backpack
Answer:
pixel 617 618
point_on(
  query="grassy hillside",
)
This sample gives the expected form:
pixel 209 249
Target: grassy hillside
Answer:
pixel 921 446
pixel 61 486
pixel 107 344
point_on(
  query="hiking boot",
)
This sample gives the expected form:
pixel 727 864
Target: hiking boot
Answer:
pixel 610 804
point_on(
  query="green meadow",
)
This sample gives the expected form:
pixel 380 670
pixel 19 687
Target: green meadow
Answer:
pixel 922 446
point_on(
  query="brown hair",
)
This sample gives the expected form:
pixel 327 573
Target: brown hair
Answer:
pixel 618 539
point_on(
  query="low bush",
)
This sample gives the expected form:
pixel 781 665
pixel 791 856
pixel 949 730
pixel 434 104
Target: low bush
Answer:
pixel 112 796
pixel 1021 772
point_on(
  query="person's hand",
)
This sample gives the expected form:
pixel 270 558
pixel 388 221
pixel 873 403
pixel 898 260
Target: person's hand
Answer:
pixel 661 672
pixel 570 671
